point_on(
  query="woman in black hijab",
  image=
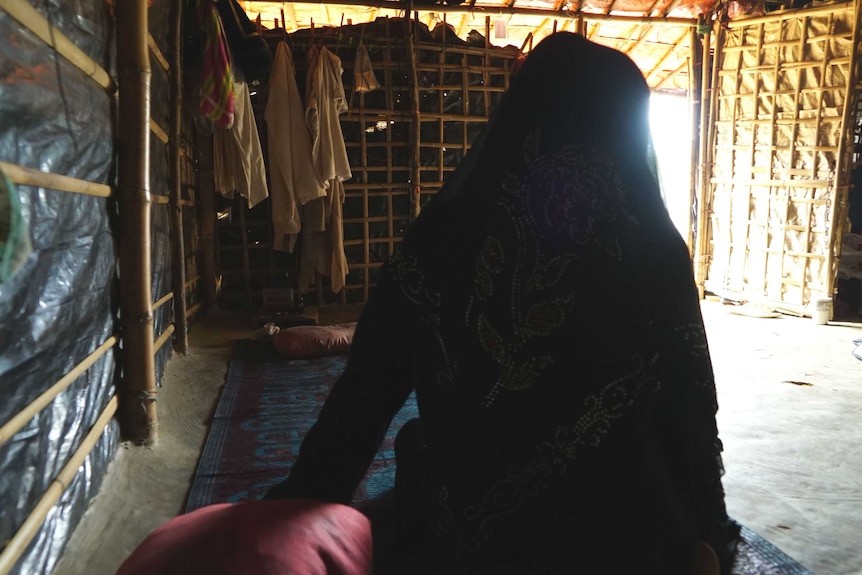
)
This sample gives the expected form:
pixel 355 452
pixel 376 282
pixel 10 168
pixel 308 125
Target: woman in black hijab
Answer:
pixel 542 307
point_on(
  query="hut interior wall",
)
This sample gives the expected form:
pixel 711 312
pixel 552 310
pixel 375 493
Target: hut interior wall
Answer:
pixel 459 83
pixel 59 329
pixel 777 166
pixel 57 317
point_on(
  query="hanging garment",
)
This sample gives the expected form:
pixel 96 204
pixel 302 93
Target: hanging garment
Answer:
pixel 325 101
pixel 364 79
pixel 323 239
pixel 323 246
pixel 237 156
pixel 15 245
pixel 293 180
pixel 216 98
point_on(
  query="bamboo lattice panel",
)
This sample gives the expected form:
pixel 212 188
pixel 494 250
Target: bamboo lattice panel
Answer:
pixel 779 112
pixel 458 86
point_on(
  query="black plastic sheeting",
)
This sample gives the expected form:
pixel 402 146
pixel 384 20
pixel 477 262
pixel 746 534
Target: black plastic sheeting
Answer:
pixel 60 305
pixel 160 261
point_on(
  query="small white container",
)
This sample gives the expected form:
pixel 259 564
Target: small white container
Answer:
pixel 821 310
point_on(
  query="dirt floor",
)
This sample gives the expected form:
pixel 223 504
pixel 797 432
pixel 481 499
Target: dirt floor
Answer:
pixel 790 396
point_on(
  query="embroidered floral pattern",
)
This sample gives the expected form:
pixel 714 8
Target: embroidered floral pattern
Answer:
pixel 565 207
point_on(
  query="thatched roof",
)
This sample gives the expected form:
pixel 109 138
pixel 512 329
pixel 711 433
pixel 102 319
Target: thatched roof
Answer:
pixel 656 34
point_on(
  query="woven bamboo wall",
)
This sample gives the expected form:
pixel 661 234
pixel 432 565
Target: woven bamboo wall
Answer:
pixel 778 192
pixel 458 86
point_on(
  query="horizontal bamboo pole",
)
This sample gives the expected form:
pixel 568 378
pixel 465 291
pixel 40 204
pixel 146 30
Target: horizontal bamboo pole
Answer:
pixel 779 122
pixel 160 200
pixel 30 528
pixel 371 241
pixel 160 132
pixel 379 189
pixel 499 52
pixel 162 339
pixel 15 424
pixel 163 300
pixel 194 309
pixel 22 176
pixel 503 10
pixel 157 53
pixel 191 282
pixel 773 183
pixel 790 14
pixel 30 18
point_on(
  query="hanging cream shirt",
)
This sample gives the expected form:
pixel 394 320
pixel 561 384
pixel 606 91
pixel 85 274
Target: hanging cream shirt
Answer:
pixel 293 180
pixel 325 101
pixel 237 155
pixel 323 235
pixel 323 240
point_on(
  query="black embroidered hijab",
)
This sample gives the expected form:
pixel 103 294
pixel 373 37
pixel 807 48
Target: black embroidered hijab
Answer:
pixel 543 309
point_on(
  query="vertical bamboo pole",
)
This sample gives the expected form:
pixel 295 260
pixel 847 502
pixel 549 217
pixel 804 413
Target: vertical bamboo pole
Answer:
pixel 137 390
pixel 240 206
pixel 704 167
pixel 413 78
pixel 207 218
pixel 695 95
pixel 178 252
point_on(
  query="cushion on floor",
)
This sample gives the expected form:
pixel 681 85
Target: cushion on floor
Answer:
pixel 307 341
pixel 291 537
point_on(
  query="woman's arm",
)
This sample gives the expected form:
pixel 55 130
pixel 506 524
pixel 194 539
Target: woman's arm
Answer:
pixel 338 449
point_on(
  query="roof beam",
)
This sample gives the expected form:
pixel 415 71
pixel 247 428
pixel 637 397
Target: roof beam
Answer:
pixel 666 56
pixel 494 10
pixel 667 78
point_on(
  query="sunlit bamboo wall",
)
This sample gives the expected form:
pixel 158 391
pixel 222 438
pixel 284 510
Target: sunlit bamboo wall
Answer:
pixel 783 110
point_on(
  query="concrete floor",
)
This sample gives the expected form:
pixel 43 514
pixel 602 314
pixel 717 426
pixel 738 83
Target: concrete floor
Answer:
pixel 790 396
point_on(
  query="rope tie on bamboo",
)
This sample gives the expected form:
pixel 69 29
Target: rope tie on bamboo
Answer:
pixel 147 396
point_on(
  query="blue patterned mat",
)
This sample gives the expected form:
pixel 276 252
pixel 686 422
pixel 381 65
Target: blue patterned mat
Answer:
pixel 269 403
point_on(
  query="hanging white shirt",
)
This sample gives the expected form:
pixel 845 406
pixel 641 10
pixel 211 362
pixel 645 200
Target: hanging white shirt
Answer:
pixel 293 179
pixel 237 155
pixel 325 102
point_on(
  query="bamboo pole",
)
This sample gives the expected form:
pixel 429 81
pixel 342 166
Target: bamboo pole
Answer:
pixel 157 52
pixel 192 310
pixel 415 137
pixel 18 421
pixel 240 207
pixel 19 542
pixel 163 300
pixel 398 6
pixel 160 132
pixel 137 390
pixel 695 95
pixel 207 219
pixel 22 176
pixel 27 16
pixel 705 169
pixel 844 158
pixel 163 338
pixel 178 251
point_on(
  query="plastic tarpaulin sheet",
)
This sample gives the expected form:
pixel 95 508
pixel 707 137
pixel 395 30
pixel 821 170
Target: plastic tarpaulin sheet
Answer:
pixel 59 307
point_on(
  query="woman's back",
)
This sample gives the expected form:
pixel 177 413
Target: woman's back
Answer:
pixel 543 309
